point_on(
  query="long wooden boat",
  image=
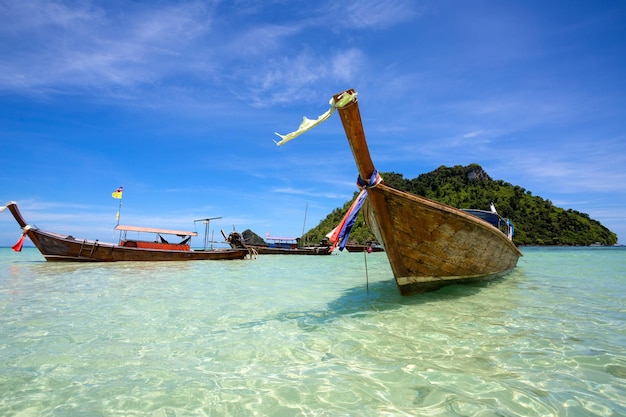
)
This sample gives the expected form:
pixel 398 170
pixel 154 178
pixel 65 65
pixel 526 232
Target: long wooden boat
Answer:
pixel 59 247
pixel 306 250
pixel 369 247
pixel 277 246
pixel 429 245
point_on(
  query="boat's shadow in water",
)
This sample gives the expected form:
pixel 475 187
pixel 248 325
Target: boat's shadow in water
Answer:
pixel 384 295
pixel 373 298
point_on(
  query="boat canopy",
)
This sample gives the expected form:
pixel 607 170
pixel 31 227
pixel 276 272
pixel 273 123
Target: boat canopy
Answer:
pixel 488 216
pixel 274 238
pixel 154 230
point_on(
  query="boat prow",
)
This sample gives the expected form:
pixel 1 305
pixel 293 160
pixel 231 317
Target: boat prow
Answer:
pixel 429 244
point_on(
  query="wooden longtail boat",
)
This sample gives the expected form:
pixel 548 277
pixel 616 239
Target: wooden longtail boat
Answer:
pixel 277 246
pixel 368 247
pixel 58 247
pixel 429 245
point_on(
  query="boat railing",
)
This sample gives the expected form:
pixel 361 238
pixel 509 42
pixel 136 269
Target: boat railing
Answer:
pixel 494 219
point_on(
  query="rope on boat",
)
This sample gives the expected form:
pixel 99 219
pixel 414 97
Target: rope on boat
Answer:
pixel 367 278
pixel 374 180
pixel 252 253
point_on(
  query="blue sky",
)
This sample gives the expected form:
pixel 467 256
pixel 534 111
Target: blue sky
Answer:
pixel 179 101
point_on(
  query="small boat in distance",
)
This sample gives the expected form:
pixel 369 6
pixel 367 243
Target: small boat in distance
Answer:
pixel 429 245
pixel 277 245
pixel 59 247
pixel 369 247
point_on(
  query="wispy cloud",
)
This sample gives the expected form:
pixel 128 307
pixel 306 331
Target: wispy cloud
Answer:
pixel 56 48
pixel 374 13
pixel 308 193
pixel 84 46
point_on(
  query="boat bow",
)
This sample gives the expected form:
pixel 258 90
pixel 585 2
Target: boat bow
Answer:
pixel 429 244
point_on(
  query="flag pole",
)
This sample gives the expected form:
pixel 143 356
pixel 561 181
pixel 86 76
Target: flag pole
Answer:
pixel 118 212
pixel 118 195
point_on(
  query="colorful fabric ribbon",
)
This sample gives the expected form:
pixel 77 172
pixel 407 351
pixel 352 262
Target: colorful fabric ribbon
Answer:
pixel 18 246
pixel 341 233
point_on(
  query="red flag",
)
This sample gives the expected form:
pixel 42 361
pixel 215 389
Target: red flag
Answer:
pixel 18 246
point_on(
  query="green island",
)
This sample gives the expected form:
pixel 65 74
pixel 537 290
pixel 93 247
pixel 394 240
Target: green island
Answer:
pixel 537 221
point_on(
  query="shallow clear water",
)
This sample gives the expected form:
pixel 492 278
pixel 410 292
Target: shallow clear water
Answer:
pixel 311 336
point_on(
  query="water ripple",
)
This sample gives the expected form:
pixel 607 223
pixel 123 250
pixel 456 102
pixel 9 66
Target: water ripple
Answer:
pixel 309 337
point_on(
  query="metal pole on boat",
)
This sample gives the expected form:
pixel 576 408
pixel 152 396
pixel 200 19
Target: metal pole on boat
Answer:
pixel 119 212
pixel 118 194
pixel 304 224
pixel 206 229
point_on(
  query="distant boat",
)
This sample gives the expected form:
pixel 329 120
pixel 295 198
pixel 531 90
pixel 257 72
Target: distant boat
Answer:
pixel 429 245
pixel 59 247
pixel 277 245
pixel 368 247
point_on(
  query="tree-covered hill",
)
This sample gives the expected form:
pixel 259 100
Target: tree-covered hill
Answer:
pixel 537 221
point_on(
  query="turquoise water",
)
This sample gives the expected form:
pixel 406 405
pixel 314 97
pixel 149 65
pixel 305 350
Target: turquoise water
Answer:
pixel 311 336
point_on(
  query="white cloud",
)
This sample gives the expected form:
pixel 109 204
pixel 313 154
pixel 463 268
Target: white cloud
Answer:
pixel 377 13
pixel 89 47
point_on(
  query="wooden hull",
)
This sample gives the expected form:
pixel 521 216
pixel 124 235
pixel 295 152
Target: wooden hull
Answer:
pixel 236 240
pixel 429 244
pixel 264 250
pixel 57 247
pixel 363 248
